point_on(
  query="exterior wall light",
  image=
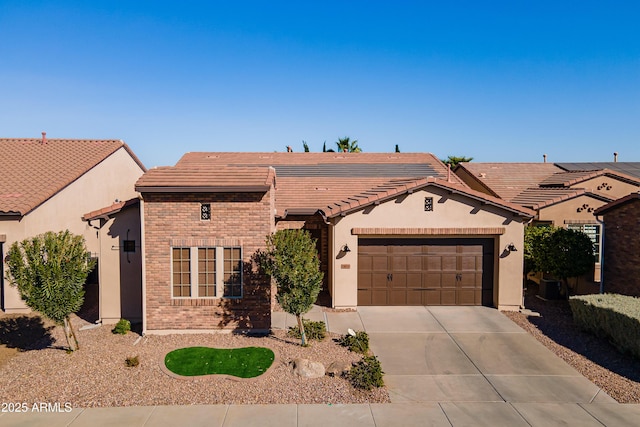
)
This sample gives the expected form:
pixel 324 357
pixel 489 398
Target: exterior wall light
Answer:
pixel 345 249
pixel 511 248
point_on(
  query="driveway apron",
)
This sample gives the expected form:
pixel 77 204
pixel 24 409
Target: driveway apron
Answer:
pixel 468 354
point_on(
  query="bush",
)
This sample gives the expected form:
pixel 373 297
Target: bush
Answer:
pixel 122 327
pixel 132 362
pixel 367 374
pixel 358 343
pixel 615 317
pixel 313 330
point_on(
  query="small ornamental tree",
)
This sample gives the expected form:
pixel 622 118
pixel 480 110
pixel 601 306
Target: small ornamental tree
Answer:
pixel 561 252
pixel 49 271
pixel 292 261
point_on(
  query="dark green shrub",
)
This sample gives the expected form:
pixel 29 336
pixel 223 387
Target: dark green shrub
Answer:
pixel 615 317
pixel 313 330
pixel 132 362
pixel 367 374
pixel 122 327
pixel 358 343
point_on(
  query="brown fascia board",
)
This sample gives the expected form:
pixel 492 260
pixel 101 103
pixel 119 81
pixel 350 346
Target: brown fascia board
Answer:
pixel 518 209
pixel 298 211
pixel 475 178
pixel 578 192
pixel 617 203
pixel 31 209
pixel 133 156
pixel 202 189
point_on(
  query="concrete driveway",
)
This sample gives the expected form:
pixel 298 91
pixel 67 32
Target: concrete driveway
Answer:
pixel 460 354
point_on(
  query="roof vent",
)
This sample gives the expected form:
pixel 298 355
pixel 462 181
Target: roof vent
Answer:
pixel 615 157
pixel 482 175
pixel 44 137
pixel 544 157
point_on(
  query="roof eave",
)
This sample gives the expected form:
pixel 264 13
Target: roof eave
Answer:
pixel 202 189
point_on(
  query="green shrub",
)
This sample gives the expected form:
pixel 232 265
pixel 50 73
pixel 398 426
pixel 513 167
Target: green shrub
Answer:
pixel 358 343
pixel 132 362
pixel 367 374
pixel 313 330
pixel 615 317
pixel 122 327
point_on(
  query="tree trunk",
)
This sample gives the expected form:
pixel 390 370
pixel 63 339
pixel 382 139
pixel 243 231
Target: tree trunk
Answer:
pixel 303 335
pixel 69 334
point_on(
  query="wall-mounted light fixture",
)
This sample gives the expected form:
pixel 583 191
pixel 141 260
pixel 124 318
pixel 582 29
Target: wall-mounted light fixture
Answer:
pixel 511 248
pixel 345 249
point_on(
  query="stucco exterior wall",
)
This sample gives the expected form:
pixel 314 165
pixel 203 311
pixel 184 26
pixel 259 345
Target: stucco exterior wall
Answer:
pixel 571 211
pixel 112 179
pixel 120 272
pixel 450 211
pixel 607 186
pixel 173 220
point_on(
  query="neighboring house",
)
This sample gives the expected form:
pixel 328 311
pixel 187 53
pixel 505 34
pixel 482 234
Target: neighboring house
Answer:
pixel 49 184
pixel 621 263
pixel 391 229
pixel 559 197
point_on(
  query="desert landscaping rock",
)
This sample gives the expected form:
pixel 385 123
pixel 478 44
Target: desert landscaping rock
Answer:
pixel 307 369
pixel 96 375
pixel 339 368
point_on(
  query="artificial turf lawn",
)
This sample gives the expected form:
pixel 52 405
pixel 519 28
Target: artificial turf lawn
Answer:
pixel 246 362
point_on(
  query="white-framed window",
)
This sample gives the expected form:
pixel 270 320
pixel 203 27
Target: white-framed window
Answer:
pixel 206 272
pixel 593 231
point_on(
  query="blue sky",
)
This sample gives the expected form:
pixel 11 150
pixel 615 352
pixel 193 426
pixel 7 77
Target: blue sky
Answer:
pixel 497 81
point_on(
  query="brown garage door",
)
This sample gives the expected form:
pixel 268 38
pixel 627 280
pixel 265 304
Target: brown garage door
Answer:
pixel 425 272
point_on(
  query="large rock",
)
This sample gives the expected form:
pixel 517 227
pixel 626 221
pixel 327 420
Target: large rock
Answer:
pixel 307 369
pixel 338 368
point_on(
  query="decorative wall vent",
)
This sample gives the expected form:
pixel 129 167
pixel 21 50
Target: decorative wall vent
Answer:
pixel 585 207
pixel 205 211
pixel 428 204
pixel 604 186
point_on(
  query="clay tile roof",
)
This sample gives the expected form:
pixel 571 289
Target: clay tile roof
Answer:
pixel 219 179
pixel 602 210
pixel 540 197
pixel 567 179
pixel 308 181
pixel 395 188
pixel 33 170
pixel 507 180
pixel 110 210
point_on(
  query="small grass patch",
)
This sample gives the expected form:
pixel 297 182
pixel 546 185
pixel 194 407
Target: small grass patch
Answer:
pixel 246 362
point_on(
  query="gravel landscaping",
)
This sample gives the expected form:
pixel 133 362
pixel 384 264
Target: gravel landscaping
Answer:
pixel 595 358
pixel 96 375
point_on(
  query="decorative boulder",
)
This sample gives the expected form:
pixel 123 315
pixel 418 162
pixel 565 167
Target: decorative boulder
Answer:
pixel 338 368
pixel 307 369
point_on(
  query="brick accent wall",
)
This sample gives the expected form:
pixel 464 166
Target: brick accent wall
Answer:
pixel 622 249
pixel 243 219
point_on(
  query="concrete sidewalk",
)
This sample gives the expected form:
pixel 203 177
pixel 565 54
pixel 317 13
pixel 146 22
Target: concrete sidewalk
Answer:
pixel 444 366
pixel 393 414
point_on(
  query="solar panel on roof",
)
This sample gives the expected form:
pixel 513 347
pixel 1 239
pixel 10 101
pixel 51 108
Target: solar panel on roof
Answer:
pixel 355 170
pixel 629 168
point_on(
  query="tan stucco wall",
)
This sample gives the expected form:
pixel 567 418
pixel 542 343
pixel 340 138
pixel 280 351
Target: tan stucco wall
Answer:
pixel 567 212
pixel 607 186
pixel 121 272
pixel 113 178
pixel 450 211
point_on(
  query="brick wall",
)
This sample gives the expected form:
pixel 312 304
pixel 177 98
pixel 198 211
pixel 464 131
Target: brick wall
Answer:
pixel 622 249
pixel 243 219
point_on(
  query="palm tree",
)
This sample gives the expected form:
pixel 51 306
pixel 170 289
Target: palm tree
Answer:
pixel 454 160
pixel 345 144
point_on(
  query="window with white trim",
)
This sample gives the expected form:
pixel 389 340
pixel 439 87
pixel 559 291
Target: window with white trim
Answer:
pixel 206 272
pixel 181 272
pixel 232 272
pixel 591 230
